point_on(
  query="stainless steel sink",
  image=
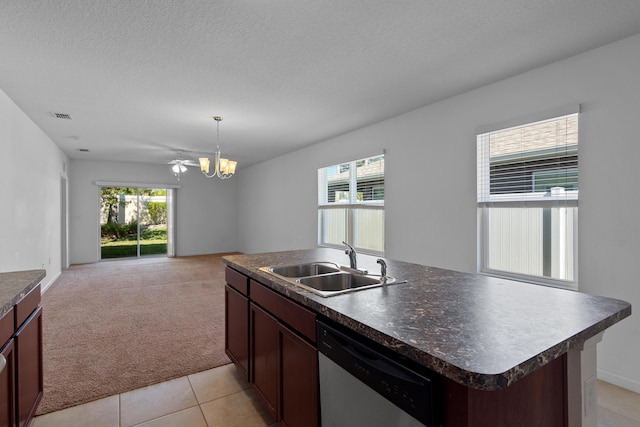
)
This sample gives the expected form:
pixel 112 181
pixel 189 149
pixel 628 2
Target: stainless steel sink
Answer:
pixel 338 281
pixel 304 270
pixel 327 279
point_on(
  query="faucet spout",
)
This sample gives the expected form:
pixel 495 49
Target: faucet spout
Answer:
pixel 383 269
pixel 353 262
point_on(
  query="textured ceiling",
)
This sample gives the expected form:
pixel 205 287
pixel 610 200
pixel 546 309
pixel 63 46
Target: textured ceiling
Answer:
pixel 142 79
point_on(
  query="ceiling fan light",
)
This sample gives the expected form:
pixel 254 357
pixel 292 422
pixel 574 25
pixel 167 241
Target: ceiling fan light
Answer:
pixel 175 168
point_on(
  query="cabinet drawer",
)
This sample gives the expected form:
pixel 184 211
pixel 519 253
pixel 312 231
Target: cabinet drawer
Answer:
pixel 297 317
pixel 26 305
pixel 236 280
pixel 6 327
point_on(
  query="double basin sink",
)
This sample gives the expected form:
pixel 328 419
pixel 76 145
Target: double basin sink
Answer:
pixel 326 278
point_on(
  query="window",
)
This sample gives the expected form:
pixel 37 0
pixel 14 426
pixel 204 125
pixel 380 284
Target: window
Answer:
pixel 351 205
pixel 528 201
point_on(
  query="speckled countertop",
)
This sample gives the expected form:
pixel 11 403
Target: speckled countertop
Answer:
pixel 480 331
pixel 15 285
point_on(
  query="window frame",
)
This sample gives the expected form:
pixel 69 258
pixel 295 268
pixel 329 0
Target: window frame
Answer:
pixel 535 199
pixel 483 244
pixel 352 206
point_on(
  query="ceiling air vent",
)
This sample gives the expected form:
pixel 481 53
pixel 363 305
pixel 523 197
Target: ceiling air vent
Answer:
pixel 61 116
pixel 84 150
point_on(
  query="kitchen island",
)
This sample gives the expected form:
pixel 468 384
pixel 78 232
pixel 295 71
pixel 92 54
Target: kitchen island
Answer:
pixel 487 337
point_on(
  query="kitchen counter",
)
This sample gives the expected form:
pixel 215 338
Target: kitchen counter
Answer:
pixel 15 285
pixel 482 332
pixel 21 380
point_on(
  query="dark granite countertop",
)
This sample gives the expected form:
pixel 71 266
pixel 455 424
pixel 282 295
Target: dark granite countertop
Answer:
pixel 480 331
pixel 15 285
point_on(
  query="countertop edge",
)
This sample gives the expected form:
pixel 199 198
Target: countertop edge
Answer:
pixel 18 284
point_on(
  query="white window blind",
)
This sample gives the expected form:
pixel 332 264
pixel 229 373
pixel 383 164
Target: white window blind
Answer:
pixel 528 200
pixel 533 161
pixel 351 204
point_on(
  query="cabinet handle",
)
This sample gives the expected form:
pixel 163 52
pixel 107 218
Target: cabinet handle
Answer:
pixel 3 363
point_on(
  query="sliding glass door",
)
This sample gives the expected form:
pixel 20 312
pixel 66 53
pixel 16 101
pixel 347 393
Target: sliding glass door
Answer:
pixel 133 222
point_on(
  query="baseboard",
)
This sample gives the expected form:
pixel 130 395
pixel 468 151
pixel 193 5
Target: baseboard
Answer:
pixel 44 288
pixel 182 255
pixel 618 380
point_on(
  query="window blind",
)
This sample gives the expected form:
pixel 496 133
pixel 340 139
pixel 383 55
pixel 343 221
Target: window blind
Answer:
pixel 535 161
pixel 527 201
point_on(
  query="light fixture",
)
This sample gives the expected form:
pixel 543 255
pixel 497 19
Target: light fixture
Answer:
pixel 223 168
pixel 180 163
pixel 178 168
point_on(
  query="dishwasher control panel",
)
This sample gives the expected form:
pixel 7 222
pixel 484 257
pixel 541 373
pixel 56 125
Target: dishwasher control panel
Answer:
pixel 407 389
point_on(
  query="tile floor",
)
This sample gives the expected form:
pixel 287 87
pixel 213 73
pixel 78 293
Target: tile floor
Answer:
pixel 219 397
pixel 617 407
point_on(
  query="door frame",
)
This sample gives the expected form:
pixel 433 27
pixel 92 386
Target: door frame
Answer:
pixel 170 188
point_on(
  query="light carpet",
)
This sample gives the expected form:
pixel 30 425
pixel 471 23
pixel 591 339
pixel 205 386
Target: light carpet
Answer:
pixel 115 326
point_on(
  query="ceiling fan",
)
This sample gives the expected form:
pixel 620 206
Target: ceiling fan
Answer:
pixel 180 163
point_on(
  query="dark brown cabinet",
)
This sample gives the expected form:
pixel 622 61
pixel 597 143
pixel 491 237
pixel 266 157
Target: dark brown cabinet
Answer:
pixel 237 320
pixel 282 357
pixel 299 377
pixel 21 382
pixel 264 358
pixel 284 360
pixel 284 371
pixel 7 387
pixel 28 358
pixel 538 399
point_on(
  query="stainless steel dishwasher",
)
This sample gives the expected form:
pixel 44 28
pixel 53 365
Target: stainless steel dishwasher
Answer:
pixel 360 386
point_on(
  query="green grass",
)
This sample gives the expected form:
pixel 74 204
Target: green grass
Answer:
pixel 131 250
pixel 152 242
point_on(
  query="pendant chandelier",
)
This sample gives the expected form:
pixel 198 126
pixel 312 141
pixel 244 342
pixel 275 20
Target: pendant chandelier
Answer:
pixel 223 168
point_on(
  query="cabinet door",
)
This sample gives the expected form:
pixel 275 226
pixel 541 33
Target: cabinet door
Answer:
pixel 299 378
pixel 264 358
pixel 236 331
pixel 28 358
pixel 7 402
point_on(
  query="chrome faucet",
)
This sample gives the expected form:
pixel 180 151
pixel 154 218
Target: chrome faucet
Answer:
pixel 383 269
pixel 353 263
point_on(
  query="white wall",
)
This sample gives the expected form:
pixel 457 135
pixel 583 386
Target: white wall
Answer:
pixel 30 195
pixel 430 204
pixel 206 220
pixel 278 200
